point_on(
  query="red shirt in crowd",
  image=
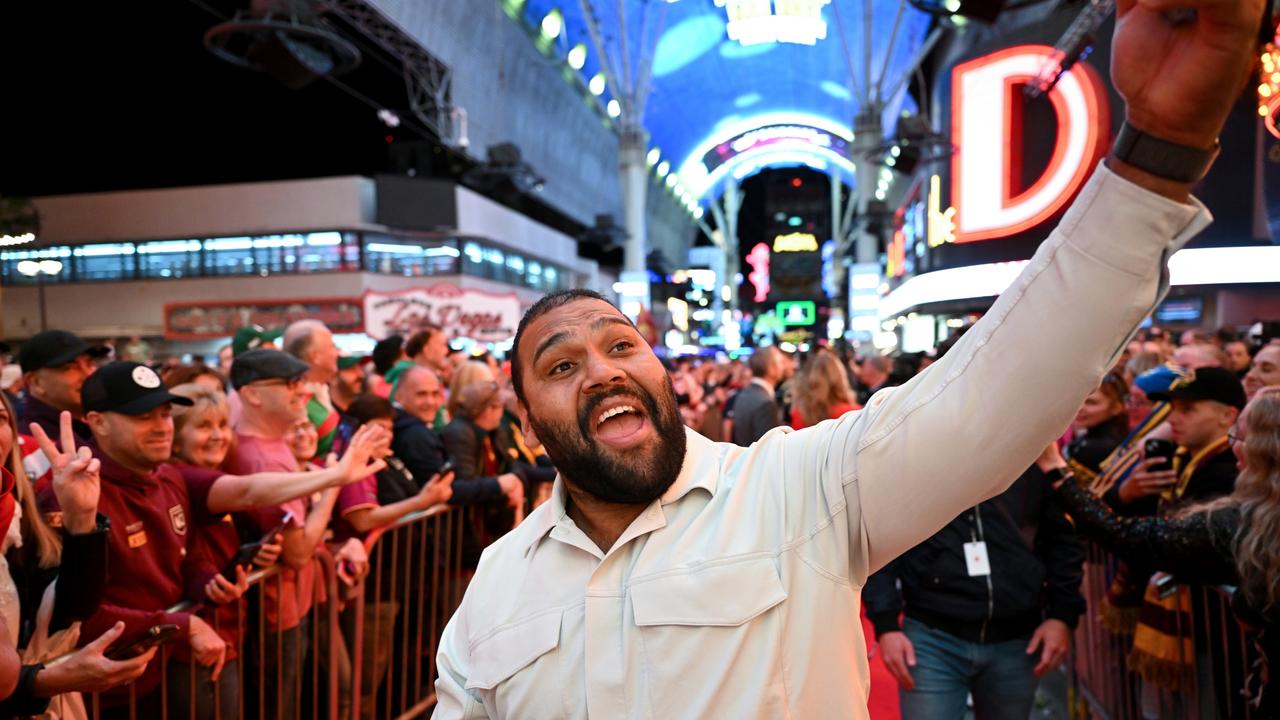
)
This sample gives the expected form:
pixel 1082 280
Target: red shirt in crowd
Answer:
pixel 213 546
pixel 153 522
pixel 798 423
pixel 288 599
pixel 356 496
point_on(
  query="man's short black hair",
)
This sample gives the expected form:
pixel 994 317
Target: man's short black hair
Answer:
pixel 545 304
pixel 419 340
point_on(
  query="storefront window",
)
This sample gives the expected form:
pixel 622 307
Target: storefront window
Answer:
pixel 169 259
pixel 394 255
pixel 265 255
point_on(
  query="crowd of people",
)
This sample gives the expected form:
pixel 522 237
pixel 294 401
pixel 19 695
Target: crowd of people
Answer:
pixel 164 471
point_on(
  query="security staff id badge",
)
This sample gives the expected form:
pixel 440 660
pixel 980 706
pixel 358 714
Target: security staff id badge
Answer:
pixel 975 558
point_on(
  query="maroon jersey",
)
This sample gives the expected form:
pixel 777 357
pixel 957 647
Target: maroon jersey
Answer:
pixel 153 518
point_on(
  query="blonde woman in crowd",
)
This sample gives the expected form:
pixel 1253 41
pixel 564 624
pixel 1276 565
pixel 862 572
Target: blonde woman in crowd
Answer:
pixel 822 391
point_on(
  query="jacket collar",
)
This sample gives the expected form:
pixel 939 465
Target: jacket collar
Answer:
pixel 700 469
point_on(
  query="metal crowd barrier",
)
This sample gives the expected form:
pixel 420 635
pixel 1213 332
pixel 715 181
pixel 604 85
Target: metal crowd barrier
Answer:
pixel 1212 684
pixel 371 646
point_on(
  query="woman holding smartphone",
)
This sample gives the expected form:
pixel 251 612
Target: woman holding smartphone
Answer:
pixel 1234 539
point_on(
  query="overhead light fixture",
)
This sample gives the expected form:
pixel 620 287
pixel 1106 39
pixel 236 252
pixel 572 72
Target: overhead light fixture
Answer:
pixel 652 157
pixel 291 44
pixel 663 168
pixel 752 22
pixel 614 108
pixel 552 24
pixel 597 84
pixel 11 240
pixel 577 56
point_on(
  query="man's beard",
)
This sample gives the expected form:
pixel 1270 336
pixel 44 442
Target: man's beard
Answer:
pixel 631 477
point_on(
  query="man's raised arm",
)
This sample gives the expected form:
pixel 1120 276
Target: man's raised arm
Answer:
pixel 966 428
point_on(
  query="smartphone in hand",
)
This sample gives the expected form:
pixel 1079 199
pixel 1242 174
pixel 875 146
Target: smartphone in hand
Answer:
pixel 155 635
pixel 1164 449
pixel 248 551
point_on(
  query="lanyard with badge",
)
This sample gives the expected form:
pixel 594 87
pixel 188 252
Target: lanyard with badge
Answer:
pixel 975 552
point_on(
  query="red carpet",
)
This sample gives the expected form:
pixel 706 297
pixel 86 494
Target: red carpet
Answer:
pixel 882 702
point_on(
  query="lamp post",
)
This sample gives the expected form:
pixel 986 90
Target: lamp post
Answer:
pixel 39 269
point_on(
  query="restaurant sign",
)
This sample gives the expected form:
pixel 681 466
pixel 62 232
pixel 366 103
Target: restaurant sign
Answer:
pixel 475 314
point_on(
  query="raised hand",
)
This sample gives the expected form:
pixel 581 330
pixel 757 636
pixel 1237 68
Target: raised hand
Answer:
pixel 75 477
pixel 361 458
pixel 1181 64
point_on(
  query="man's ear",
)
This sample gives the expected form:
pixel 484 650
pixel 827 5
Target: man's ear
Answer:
pixel 526 427
pixel 34 386
pixel 97 422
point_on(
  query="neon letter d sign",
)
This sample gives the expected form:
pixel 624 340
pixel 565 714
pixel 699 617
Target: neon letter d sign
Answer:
pixel 987 162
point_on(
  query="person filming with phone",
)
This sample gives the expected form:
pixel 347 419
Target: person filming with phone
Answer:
pixel 1197 463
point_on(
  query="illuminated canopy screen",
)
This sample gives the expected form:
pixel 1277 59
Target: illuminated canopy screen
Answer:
pixel 708 90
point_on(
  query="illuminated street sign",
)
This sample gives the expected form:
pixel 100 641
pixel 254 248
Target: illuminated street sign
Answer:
pixel 797 312
pixel 986 164
pixel 758 259
pixel 795 242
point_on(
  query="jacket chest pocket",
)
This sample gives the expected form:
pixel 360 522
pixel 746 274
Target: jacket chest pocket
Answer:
pixel 720 621
pixel 513 668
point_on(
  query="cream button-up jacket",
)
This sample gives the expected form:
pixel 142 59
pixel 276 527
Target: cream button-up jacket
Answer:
pixel 736 594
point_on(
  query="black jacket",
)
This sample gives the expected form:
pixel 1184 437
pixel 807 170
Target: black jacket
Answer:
pixel 755 412
pixel 423 452
pixel 1035 560
pixel 465 444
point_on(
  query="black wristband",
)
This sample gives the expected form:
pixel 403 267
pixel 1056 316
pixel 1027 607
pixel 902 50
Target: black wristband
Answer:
pixel 1162 158
pixel 23 701
pixel 1058 474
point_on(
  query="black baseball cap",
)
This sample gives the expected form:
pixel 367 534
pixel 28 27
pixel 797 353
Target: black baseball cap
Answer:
pixel 1211 383
pixel 128 388
pixel 265 364
pixel 55 348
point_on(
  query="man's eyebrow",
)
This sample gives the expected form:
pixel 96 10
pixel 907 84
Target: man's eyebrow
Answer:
pixel 611 320
pixel 563 335
pixel 547 344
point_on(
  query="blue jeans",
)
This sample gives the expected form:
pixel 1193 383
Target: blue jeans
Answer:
pixel 1000 676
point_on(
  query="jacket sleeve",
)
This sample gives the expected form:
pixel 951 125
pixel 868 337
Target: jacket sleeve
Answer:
pixel 1195 546
pixel 421 452
pixel 469 486
pixel 883 599
pixel 1107 262
pixel 82 576
pixel 1060 550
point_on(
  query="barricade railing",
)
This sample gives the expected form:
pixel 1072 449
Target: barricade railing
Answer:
pixel 1213 651
pixel 364 650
